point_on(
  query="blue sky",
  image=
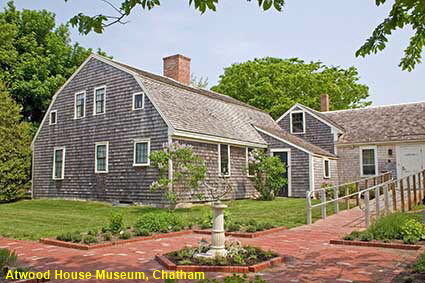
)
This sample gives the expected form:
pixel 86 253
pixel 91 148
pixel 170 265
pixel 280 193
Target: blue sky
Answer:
pixel 329 31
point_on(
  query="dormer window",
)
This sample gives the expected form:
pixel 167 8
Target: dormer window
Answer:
pixel 53 117
pixel 297 122
pixel 138 101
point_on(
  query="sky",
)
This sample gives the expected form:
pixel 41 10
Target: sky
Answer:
pixel 329 31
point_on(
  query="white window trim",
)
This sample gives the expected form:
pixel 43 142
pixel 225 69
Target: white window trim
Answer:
pixel 107 157
pixel 247 162
pixel 219 160
pixel 134 100
pixel 56 148
pixel 136 141
pixel 84 104
pixel 290 121
pixel 50 117
pixel 324 168
pixel 375 148
pixel 94 100
pixel 288 150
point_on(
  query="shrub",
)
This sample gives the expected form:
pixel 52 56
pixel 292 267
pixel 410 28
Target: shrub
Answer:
pixel 7 258
pixel 116 222
pixel 366 237
pixel 107 236
pixel 141 232
pixel 88 239
pixel 268 172
pixel 353 236
pixel 419 265
pixel 158 222
pixel 76 237
pixel 92 232
pixel 410 239
pixel 413 228
pixel 390 226
pixel 125 235
pixel 234 227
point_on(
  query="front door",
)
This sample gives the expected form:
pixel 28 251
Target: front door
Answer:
pixel 411 159
pixel 284 156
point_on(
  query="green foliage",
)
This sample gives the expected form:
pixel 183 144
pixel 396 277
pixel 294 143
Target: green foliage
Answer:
pixel 107 236
pixel 366 237
pixel 268 174
pixel 99 22
pixel 74 237
pixel 116 222
pixel 390 226
pixel 15 152
pixel 413 228
pixel 198 83
pixel 189 171
pixel 88 239
pixel 142 232
pixel 36 57
pixel 274 84
pixel 411 240
pixel 353 236
pixel 8 258
pixel 236 279
pixel 403 13
pixel 419 264
pixel 157 223
pixel 125 235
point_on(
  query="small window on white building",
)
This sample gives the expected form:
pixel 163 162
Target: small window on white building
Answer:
pixel 224 160
pixel 297 122
pixel 138 101
pixel 58 163
pixel 141 152
pixel 250 171
pixel 101 157
pixel 99 100
pixel 53 117
pixel 80 105
pixel 368 161
pixel 326 169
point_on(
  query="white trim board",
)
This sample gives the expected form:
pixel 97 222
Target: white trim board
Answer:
pixel 288 150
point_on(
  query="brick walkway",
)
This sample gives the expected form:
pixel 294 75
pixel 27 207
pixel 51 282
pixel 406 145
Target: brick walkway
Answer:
pixel 309 257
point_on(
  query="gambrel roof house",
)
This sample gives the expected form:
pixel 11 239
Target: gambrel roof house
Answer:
pixel 95 140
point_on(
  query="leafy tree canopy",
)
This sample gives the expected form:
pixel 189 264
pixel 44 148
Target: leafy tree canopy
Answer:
pixel 36 57
pixel 274 84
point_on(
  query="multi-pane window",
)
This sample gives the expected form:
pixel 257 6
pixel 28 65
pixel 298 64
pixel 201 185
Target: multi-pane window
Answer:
pixel 297 122
pixel 99 100
pixel 101 157
pixel 368 161
pixel 58 163
pixel 249 164
pixel 326 169
pixel 80 104
pixel 141 152
pixel 224 160
pixel 138 101
pixel 53 117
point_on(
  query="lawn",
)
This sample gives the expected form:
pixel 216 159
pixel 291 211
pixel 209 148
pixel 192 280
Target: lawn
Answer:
pixel 35 219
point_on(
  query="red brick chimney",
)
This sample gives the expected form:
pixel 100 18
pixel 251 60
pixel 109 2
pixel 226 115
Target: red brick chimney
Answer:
pixel 324 102
pixel 177 67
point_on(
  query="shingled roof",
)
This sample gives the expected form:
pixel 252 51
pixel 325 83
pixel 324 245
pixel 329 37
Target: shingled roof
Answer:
pixel 402 122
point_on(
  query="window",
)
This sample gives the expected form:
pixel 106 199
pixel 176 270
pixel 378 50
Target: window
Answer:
pixel 101 157
pixel 99 100
pixel 250 171
pixel 138 101
pixel 224 159
pixel 297 122
pixel 141 152
pixel 80 104
pixel 58 163
pixel 53 117
pixel 326 169
pixel 368 161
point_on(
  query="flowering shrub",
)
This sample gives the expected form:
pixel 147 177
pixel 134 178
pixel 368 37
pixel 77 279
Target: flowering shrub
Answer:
pixel 268 173
pixel 188 171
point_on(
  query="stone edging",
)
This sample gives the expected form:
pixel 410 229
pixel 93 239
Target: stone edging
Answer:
pixel 245 235
pixel 168 264
pixel 77 246
pixel 375 244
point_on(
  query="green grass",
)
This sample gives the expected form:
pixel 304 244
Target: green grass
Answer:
pixel 35 219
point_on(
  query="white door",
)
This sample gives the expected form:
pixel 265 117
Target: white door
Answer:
pixel 411 159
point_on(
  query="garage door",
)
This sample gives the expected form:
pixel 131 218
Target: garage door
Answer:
pixel 411 159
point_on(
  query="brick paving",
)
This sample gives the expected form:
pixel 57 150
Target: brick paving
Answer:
pixel 308 255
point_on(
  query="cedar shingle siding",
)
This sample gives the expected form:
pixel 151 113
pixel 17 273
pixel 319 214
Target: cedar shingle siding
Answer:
pixel 119 126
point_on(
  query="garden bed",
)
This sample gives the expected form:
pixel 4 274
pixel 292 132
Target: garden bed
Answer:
pixel 239 259
pixel 393 245
pixel 245 234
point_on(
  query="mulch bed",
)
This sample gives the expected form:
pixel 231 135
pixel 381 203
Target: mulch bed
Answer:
pixel 395 245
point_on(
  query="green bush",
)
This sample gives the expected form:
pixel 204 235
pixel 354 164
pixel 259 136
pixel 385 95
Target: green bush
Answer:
pixel 353 236
pixel 390 226
pixel 89 239
pixel 141 232
pixel 125 235
pixel 410 239
pixel 93 232
pixel 158 223
pixel 413 228
pixel 107 236
pixel 74 237
pixel 419 265
pixel 116 223
pixel 366 237
pixel 8 258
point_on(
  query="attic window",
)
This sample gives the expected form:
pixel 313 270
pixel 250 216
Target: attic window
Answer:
pixel 99 100
pixel 138 101
pixel 53 117
pixel 297 122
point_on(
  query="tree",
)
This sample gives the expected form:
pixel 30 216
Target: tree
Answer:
pixel 15 152
pixel 403 13
pixel 268 173
pixel 36 57
pixel 199 83
pixel 274 84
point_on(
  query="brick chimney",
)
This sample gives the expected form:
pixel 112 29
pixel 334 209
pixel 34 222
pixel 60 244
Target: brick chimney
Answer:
pixel 177 67
pixel 324 102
